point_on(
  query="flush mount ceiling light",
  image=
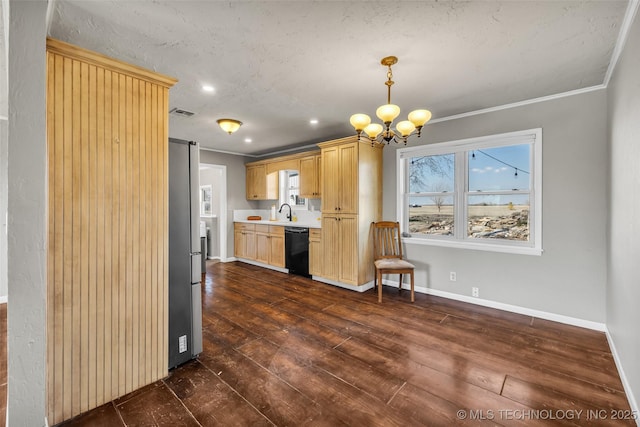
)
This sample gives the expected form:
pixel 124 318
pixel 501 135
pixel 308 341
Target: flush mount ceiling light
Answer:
pixel 229 125
pixel 379 134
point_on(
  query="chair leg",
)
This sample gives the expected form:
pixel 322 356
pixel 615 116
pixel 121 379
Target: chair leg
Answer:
pixel 379 287
pixel 400 283
pixel 413 298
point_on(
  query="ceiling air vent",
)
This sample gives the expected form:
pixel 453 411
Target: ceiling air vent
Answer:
pixel 181 113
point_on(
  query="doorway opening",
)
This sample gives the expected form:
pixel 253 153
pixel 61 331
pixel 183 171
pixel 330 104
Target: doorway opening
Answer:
pixel 213 182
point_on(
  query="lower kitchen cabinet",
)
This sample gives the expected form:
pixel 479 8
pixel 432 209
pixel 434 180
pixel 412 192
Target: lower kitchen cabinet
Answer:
pixel 315 252
pixel 270 245
pixel 340 248
pixel 260 242
pixel 244 240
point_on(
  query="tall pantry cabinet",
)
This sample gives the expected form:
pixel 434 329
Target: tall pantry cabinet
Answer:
pixel 107 321
pixel 351 200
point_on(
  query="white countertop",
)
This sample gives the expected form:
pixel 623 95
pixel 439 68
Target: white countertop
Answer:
pixel 303 224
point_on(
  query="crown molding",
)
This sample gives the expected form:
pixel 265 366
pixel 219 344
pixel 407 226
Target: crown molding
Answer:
pixel 518 104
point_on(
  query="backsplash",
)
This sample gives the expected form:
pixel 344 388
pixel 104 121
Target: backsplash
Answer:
pixel 303 215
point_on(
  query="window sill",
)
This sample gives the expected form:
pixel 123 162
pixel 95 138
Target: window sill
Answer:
pixel 478 246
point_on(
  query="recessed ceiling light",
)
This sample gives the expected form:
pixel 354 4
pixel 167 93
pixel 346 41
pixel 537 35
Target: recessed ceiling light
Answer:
pixel 207 88
pixel 248 140
pixel 313 121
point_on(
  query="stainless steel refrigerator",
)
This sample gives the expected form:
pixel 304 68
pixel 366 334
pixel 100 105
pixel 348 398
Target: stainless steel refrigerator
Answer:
pixel 185 305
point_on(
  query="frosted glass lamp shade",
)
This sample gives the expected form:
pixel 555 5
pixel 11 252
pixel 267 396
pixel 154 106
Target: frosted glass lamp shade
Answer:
pixel 419 117
pixel 388 112
pixel 373 130
pixel 405 128
pixel 360 121
pixel 229 125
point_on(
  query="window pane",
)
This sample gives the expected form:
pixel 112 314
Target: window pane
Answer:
pixel 499 217
pixel 431 215
pixel 431 174
pixel 500 168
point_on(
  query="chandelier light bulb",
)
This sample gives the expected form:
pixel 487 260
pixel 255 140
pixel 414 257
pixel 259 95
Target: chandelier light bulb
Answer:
pixel 373 130
pixel 388 112
pixel 419 117
pixel 405 128
pixel 360 121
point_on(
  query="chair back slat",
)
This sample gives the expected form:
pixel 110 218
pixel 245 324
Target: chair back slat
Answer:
pixel 386 240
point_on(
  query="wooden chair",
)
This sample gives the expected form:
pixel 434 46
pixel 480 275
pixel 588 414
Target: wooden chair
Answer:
pixel 387 254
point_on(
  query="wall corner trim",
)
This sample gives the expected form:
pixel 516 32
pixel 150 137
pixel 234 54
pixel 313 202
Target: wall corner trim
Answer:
pixel 625 381
pixel 630 14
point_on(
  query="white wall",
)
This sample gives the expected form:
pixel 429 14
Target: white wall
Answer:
pixel 27 213
pixel 4 152
pixel 4 188
pixel 569 278
pixel 623 280
pixel 213 176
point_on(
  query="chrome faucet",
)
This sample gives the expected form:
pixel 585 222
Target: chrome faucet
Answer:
pixel 280 210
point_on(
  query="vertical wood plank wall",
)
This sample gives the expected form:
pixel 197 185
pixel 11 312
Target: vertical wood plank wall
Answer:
pixel 107 278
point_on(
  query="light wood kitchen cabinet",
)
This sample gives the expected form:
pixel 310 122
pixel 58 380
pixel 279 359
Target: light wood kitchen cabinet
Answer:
pixel 340 248
pixel 107 248
pixel 260 184
pixel 351 201
pixel 315 252
pixel 340 178
pixel 244 240
pixel 276 236
pixel 270 244
pixel 310 177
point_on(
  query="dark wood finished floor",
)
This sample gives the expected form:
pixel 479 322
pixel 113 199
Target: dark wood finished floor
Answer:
pixel 287 351
pixel 3 364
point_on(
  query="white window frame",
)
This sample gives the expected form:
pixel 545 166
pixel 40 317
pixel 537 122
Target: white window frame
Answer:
pixel 459 148
pixel 285 191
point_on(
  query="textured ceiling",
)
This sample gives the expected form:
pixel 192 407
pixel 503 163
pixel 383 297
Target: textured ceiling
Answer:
pixel 275 65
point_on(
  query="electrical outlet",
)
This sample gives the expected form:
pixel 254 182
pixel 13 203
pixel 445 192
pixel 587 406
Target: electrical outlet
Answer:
pixel 452 276
pixel 475 292
pixel 182 344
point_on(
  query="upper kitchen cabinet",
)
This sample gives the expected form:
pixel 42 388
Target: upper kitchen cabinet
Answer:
pixel 261 185
pixel 310 174
pixel 263 181
pixel 340 172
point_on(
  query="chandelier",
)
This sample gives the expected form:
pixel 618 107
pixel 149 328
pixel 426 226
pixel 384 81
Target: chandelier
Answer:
pixel 379 134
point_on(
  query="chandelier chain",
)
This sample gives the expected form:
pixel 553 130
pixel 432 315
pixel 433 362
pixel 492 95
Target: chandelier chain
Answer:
pixel 389 82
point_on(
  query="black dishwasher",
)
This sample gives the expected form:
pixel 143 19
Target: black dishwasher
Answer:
pixel 296 246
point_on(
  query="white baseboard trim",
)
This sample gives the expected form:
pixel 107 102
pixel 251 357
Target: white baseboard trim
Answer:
pixel 633 403
pixel 4 299
pixel 229 259
pixel 588 324
pixel 361 288
pixel 259 264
